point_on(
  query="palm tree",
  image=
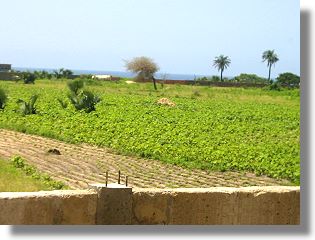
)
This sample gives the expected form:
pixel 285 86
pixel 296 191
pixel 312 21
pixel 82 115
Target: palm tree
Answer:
pixel 221 62
pixel 271 57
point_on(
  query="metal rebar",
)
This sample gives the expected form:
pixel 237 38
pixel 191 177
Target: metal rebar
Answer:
pixel 119 177
pixel 126 181
pixel 106 178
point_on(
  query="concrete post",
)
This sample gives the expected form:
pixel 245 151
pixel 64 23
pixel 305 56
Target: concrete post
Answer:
pixel 114 204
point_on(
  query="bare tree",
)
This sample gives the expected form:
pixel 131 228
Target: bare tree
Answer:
pixel 144 67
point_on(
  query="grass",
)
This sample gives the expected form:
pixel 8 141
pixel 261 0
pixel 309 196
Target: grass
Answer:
pixel 15 180
pixel 18 176
pixel 210 128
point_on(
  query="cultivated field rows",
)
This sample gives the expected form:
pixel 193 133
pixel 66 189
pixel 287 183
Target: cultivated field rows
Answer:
pixel 79 165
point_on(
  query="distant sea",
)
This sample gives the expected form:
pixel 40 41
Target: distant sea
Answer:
pixel 168 76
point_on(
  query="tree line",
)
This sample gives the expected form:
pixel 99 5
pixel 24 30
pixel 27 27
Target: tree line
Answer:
pixel 145 68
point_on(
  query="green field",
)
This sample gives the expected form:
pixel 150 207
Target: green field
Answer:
pixel 18 176
pixel 209 128
pixel 15 180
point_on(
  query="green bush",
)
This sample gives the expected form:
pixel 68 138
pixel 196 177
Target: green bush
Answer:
pixel 28 77
pixel 42 74
pixel 62 73
pixel 85 100
pixel 3 99
pixel 215 79
pixel 274 86
pixel 250 78
pixel 18 162
pixel 81 100
pixel 289 79
pixel 27 108
pixel 75 86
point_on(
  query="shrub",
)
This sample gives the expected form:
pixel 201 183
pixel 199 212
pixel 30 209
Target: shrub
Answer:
pixel 3 99
pixel 62 73
pixel 28 77
pixel 215 79
pixel 42 74
pixel 250 78
pixel 18 162
pixel 27 108
pixel 274 87
pixel 81 100
pixel 75 86
pixel 202 79
pixel 85 101
pixel 289 79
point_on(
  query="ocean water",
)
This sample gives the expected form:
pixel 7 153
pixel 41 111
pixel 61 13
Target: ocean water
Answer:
pixel 170 76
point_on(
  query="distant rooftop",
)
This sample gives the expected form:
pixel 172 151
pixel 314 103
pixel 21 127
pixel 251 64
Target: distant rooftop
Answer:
pixel 5 67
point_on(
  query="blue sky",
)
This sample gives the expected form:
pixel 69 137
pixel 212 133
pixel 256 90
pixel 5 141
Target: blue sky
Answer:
pixel 182 36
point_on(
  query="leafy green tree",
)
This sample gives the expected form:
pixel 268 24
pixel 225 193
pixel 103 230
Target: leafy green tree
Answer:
pixel 289 79
pixel 3 99
pixel 271 57
pixel 144 67
pixel 221 63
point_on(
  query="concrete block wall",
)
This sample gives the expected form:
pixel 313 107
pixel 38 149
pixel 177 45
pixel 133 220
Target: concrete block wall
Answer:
pixel 123 205
pixel 48 207
pixel 217 206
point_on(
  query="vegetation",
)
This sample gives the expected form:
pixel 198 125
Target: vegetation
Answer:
pixel 145 68
pixel 81 99
pixel 210 79
pixel 275 86
pixel 30 170
pixel 250 78
pixel 43 74
pixel 208 128
pixel 221 62
pixel 3 99
pixel 271 57
pixel 289 79
pixel 16 179
pixel 62 73
pixel 28 77
pixel 27 108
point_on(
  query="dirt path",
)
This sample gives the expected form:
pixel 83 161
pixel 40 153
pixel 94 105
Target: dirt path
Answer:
pixel 81 164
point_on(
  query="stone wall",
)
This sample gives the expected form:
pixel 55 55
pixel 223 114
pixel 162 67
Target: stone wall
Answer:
pixel 122 205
